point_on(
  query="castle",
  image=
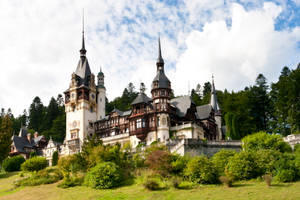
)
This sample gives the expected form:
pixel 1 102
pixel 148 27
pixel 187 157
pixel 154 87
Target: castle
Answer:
pixel 159 118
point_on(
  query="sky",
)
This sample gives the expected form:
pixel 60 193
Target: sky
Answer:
pixel 234 40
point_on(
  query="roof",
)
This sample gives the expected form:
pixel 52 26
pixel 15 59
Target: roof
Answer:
pixel 21 142
pixel 83 71
pixel 213 98
pixel 204 111
pixel 141 98
pixel 182 104
pixel 120 113
pixel 23 132
pixel 162 79
pixel 126 113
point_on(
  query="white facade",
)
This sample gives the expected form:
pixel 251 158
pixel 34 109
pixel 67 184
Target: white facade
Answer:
pixel 49 150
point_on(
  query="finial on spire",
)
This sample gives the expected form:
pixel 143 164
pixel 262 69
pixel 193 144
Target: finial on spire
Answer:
pixel 159 59
pixel 82 50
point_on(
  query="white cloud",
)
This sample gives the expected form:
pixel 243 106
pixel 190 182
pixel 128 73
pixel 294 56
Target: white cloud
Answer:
pixel 237 54
pixel 40 41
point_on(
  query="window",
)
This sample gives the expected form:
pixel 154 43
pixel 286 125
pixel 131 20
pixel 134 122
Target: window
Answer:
pixel 91 108
pixel 73 108
pixel 100 99
pixel 139 123
pixel 143 123
pixel 163 93
pixel 158 121
pixel 73 135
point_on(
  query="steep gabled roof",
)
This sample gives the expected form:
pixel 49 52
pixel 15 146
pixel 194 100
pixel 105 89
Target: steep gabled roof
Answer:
pixel 83 68
pixel 182 104
pixel 119 112
pixel 203 112
pixel 141 98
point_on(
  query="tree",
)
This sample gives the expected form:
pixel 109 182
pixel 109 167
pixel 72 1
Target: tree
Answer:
pixel 5 137
pixel 262 140
pixel 36 115
pixel 260 103
pixel 54 158
pixel 51 113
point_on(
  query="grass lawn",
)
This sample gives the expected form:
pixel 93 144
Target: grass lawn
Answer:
pixel 241 190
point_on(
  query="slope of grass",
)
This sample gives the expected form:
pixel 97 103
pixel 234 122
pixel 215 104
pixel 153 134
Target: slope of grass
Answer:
pixel 241 190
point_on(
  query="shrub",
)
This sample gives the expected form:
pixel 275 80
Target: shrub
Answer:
pixel 113 153
pixel 221 158
pixel 72 181
pixel 265 160
pixel 176 182
pixel 262 140
pixel 34 164
pixel 103 176
pixel 72 163
pixel 54 158
pixel 242 166
pixel 138 160
pixel 159 161
pixel 45 176
pixel 201 170
pixel 226 180
pixel 151 184
pixel 286 168
pixel 268 179
pixel 285 175
pixel 32 154
pixel 178 163
pixel 13 164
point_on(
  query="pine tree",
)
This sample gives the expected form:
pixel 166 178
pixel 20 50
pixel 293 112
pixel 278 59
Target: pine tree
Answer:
pixel 36 115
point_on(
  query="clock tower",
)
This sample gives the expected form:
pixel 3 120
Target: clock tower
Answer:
pixel 80 104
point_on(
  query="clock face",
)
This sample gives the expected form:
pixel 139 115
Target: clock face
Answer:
pixel 74 124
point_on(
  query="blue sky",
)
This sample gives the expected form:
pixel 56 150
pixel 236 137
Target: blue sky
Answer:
pixel 234 40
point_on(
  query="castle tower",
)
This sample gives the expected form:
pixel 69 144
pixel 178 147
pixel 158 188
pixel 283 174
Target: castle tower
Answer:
pixel 215 106
pixel 80 104
pixel 101 94
pixel 161 95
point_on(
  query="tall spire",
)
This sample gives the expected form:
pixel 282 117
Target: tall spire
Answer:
pixel 213 98
pixel 160 60
pixel 82 50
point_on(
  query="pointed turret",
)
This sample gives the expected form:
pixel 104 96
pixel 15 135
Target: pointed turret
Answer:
pixel 100 79
pixel 83 68
pixel 213 98
pixel 160 80
pixel 160 60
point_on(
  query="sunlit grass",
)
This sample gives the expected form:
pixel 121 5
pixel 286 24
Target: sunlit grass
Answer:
pixel 134 190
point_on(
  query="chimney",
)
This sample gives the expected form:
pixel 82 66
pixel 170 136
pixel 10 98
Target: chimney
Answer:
pixel 36 134
pixel 29 137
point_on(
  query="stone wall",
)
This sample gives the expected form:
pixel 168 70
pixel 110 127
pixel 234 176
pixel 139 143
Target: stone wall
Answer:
pixel 196 147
